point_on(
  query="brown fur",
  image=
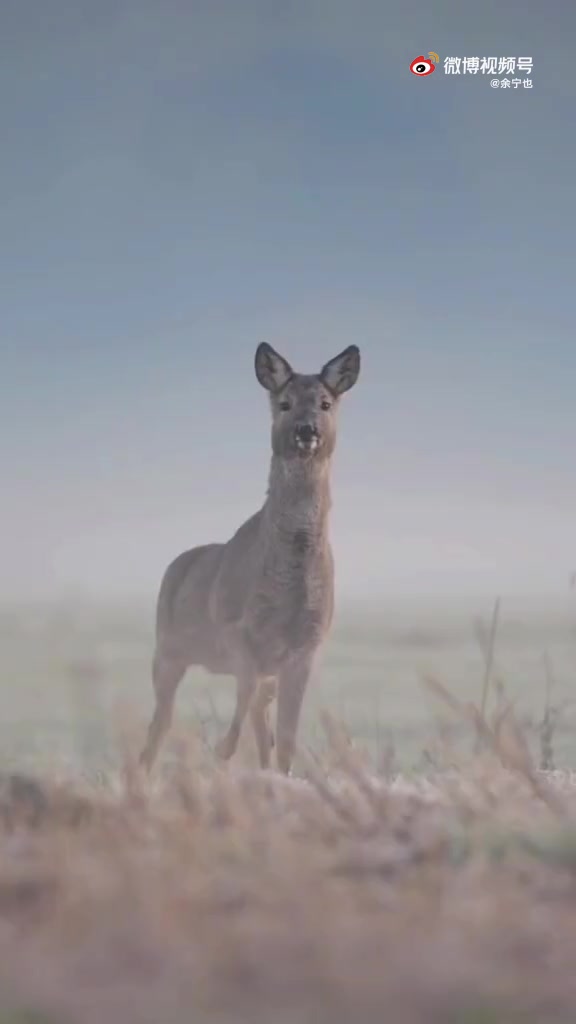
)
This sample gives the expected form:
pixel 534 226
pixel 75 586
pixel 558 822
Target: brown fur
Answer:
pixel 259 606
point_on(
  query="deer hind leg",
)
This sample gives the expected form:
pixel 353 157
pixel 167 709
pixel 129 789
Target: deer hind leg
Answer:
pixel 167 674
pixel 291 689
pixel 246 682
pixel 261 721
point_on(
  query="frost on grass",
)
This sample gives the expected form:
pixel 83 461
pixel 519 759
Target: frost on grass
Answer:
pixel 214 894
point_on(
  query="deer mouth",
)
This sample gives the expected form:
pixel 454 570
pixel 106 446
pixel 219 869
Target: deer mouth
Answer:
pixel 306 441
pixel 307 447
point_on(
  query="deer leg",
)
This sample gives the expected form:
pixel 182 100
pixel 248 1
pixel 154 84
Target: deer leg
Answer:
pixel 291 689
pixel 166 675
pixel 246 682
pixel 261 722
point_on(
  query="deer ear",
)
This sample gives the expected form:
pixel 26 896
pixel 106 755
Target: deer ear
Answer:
pixel 272 370
pixel 341 373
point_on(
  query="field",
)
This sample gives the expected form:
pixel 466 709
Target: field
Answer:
pixel 420 866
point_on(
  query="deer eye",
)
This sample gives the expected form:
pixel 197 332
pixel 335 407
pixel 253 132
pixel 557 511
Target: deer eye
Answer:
pixel 284 406
pixel 325 405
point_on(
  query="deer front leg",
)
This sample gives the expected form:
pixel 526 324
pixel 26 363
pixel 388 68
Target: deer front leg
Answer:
pixel 260 720
pixel 292 683
pixel 246 682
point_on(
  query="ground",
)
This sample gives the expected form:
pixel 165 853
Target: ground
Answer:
pixel 420 868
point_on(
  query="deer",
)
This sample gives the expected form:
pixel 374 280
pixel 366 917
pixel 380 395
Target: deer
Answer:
pixel 260 606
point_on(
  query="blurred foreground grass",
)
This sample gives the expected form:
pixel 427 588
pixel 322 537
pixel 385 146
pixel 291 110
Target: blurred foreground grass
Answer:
pixel 221 895
pixel 422 872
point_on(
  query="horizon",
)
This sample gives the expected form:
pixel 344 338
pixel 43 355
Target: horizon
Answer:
pixel 180 184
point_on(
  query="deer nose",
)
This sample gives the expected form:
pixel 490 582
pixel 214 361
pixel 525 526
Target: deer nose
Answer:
pixel 306 433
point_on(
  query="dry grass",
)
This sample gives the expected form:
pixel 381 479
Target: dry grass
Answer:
pixel 219 895
pixel 351 895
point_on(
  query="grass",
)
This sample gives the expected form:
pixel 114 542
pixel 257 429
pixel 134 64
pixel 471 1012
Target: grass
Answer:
pixel 227 895
pixel 420 869
pixel 71 673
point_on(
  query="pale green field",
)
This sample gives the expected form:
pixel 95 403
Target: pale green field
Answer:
pixel 223 896
pixel 73 676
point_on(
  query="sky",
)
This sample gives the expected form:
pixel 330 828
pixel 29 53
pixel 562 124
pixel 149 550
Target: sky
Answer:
pixel 182 180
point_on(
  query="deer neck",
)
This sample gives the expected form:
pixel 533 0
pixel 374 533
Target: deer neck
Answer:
pixel 298 502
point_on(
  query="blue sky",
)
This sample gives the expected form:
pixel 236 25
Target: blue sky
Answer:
pixel 181 181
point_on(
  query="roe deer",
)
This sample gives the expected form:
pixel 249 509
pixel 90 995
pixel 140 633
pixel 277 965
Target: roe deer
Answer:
pixel 259 606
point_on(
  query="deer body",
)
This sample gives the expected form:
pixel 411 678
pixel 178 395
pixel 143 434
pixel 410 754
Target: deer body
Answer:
pixel 259 606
